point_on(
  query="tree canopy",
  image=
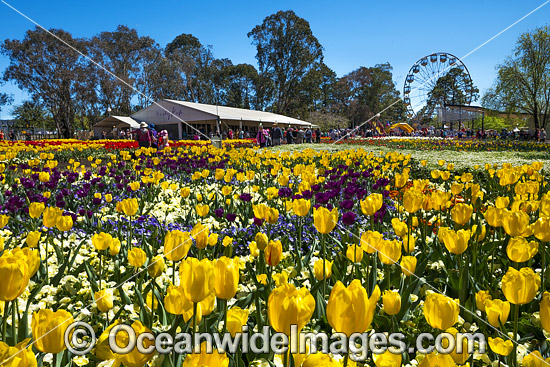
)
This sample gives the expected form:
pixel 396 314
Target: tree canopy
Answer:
pixel 523 80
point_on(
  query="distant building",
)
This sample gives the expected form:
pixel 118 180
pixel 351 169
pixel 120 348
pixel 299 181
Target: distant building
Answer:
pixel 182 119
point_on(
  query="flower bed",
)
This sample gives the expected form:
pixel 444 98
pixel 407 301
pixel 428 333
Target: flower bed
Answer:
pixel 344 242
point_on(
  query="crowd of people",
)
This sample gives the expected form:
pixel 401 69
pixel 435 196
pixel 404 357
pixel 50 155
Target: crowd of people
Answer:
pixel 146 136
pixel 277 136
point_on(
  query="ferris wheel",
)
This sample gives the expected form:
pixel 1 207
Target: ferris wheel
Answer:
pixel 423 78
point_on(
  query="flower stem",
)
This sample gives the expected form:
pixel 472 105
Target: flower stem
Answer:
pixel 14 321
pixel 195 304
pixel 516 322
pixel 324 266
pixel 4 319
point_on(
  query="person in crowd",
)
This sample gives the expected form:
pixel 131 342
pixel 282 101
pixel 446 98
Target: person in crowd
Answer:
pixel 542 138
pixel 261 137
pixel 300 136
pixel 241 134
pixel 1 135
pixel 143 136
pixel 308 135
pixel 163 139
pixel 289 139
pixel 318 135
pixel 122 134
pixel 276 135
pixel 104 134
pixel 230 134
pixel 114 131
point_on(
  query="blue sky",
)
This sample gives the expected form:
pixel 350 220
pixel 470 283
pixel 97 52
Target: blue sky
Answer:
pixel 353 33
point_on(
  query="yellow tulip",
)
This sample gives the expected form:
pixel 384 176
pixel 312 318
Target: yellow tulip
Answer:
pixel 137 257
pixel 325 220
pixel 399 227
pixel 17 356
pixel 202 210
pixel 227 241
pixel 515 223
pixel 273 253
pixel 236 319
pixel 206 359
pixel 387 359
pixel 481 297
pixel 501 347
pixel 519 250
pixel 253 247
pixel 261 240
pixel 482 233
pixel 456 188
pixel 541 229
pixel 437 360
pixel 545 311
pixel 226 275
pixel 318 269
pixel 64 223
pixel 288 306
pixel 32 239
pixel 412 200
pixel 494 216
pixel 200 233
pixel 114 249
pixel 31 257
pixel 50 216
pixel 104 300
pixel 461 213
pixel 36 209
pixel 185 192
pixel 534 359
pixel 502 202
pixel 354 253
pixel 391 301
pixel 196 278
pixel 301 207
pixel 129 206
pixel 280 278
pixel 401 180
pixel 520 286
pixel 408 265
pixel 262 278
pixel 272 216
pixel 48 329
pixel 456 241
pixel 44 177
pixel 349 309
pixel 440 311
pixel 459 358
pixel 156 266
pixel 134 358
pixel 409 243
pixel 497 310
pixel 372 204
pixel 370 241
pixel 176 245
pixel 319 360
pixel 101 241
pixel 260 211
pixel 389 252
pixel 15 275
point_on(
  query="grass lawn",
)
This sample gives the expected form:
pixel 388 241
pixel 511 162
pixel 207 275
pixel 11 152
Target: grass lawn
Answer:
pixel 460 159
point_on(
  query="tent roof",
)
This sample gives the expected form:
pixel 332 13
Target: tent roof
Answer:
pixel 118 121
pixel 237 114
